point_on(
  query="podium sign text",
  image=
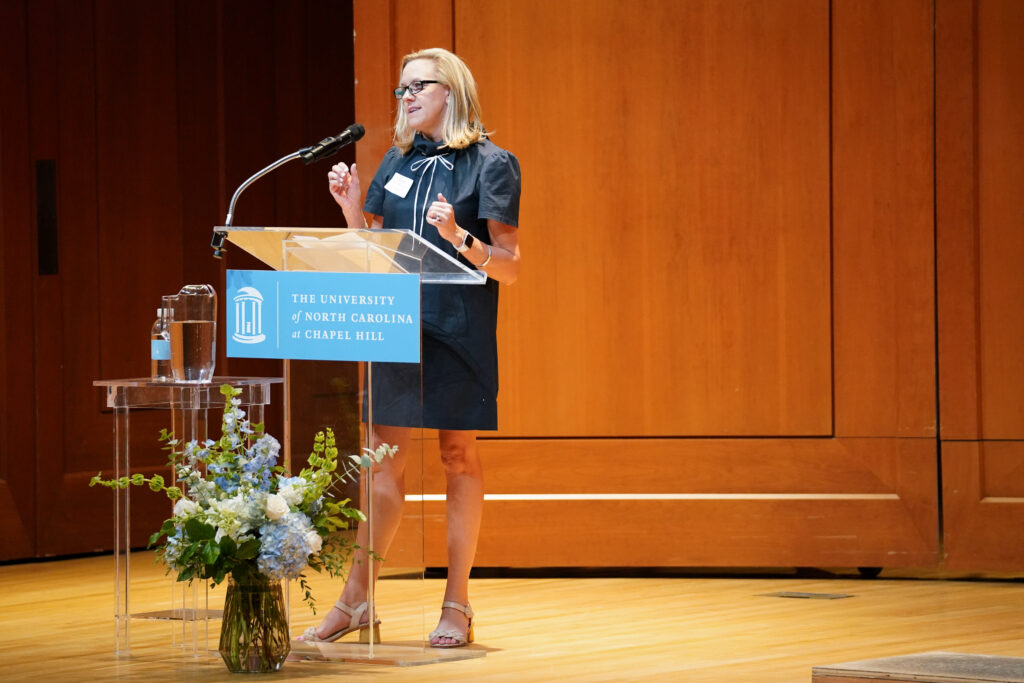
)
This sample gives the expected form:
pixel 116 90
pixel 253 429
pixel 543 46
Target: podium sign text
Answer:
pixel 323 316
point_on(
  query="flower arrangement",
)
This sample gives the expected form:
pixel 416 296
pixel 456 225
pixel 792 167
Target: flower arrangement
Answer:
pixel 239 515
pixel 237 512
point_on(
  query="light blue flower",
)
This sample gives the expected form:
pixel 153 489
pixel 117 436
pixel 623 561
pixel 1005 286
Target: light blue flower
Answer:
pixel 285 549
pixel 173 548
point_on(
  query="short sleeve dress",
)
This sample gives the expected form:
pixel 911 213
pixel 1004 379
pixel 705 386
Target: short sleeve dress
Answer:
pixel 456 385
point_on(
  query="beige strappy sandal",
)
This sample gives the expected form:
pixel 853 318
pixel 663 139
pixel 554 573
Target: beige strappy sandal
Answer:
pixel 355 617
pixel 459 637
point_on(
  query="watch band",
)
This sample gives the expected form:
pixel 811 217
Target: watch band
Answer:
pixel 467 243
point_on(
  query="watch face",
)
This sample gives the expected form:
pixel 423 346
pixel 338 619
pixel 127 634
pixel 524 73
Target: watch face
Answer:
pixel 469 240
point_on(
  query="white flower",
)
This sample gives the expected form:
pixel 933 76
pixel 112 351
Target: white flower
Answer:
pixel 292 494
pixel 235 516
pixel 314 542
pixel 277 506
pixel 185 507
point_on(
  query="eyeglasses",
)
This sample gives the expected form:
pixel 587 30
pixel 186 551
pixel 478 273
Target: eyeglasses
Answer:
pixel 416 87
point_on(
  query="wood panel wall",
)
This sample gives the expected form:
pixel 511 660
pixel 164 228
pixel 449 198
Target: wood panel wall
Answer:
pixel 980 228
pixel 883 222
pixel 677 215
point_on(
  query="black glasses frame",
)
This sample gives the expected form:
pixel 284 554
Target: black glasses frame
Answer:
pixel 416 87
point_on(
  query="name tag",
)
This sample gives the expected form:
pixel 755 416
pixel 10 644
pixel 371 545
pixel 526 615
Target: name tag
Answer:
pixel 399 184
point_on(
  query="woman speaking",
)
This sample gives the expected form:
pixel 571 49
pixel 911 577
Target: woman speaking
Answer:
pixel 445 180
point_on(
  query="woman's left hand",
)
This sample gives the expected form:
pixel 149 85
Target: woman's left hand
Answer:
pixel 441 215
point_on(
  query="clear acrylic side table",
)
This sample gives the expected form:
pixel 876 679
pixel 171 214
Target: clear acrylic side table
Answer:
pixel 189 404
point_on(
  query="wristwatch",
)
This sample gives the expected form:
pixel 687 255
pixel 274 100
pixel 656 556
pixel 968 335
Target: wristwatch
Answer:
pixel 467 243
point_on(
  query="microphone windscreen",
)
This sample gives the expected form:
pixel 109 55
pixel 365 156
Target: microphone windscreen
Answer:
pixel 356 131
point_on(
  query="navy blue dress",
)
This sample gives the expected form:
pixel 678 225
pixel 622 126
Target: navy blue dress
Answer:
pixel 456 385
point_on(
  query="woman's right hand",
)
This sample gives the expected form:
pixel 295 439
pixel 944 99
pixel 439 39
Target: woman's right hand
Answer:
pixel 344 186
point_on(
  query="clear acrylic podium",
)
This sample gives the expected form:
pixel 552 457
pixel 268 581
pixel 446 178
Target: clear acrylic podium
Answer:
pixel 364 251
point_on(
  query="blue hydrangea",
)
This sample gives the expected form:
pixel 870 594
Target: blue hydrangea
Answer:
pixel 284 550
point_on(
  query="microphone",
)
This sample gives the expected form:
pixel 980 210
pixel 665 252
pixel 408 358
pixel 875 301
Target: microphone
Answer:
pixel 320 150
pixel 329 145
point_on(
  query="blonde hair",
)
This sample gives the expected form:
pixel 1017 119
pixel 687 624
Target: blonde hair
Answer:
pixel 462 126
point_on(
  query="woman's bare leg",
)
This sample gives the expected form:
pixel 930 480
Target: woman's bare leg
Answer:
pixel 465 501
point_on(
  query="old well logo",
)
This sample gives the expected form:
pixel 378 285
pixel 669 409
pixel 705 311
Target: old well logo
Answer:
pixel 248 316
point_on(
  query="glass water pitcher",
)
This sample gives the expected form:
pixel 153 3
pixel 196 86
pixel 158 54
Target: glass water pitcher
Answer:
pixel 193 329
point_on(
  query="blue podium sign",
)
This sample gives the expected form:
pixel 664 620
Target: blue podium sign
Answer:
pixel 323 316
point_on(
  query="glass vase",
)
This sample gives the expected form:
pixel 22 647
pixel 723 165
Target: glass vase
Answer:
pixel 254 629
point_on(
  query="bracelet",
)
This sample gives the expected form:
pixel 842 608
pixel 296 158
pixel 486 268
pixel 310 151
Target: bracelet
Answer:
pixel 488 259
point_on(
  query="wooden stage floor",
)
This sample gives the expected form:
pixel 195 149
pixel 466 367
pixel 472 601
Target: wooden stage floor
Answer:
pixel 56 625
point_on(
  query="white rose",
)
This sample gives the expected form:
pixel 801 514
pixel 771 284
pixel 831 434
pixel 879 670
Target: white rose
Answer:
pixel 184 507
pixel 314 542
pixel 277 506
